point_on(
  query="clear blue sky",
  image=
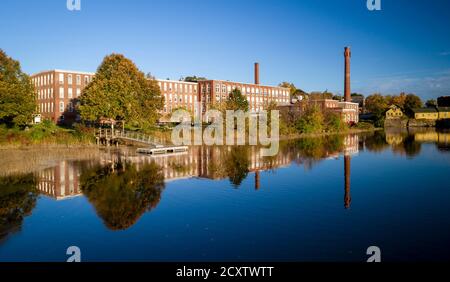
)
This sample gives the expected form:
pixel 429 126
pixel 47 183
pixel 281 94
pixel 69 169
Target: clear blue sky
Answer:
pixel 403 47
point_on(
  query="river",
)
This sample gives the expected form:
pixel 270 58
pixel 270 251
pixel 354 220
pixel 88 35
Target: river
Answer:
pixel 319 199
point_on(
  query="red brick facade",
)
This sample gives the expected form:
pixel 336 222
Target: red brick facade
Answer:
pixel 57 92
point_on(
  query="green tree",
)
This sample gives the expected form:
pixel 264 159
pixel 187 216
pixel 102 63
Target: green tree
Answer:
pixel 291 86
pixel 121 91
pixel 431 103
pixel 412 101
pixel 194 78
pixel 377 104
pixel 17 96
pixel 334 122
pixel 311 121
pixel 237 101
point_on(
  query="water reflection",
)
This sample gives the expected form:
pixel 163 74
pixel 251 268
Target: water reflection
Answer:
pixel 122 185
pixel 18 195
pixel 121 192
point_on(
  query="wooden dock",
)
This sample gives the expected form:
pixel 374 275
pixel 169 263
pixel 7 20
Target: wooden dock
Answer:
pixel 155 147
pixel 162 150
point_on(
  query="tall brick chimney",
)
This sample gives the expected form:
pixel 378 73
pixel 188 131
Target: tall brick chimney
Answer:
pixel 347 91
pixel 256 73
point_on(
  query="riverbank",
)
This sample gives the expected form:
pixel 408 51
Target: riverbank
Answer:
pixel 46 135
pixel 53 137
pixel 316 135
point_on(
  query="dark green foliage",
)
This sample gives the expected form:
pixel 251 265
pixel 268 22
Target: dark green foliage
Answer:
pixel 17 98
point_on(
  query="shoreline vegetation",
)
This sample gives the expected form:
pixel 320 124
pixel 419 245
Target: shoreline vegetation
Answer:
pixel 51 136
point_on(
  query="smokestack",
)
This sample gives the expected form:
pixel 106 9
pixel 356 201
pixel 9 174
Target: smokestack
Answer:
pixel 347 196
pixel 347 91
pixel 256 73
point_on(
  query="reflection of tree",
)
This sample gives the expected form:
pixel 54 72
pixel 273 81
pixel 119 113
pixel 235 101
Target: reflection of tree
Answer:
pixel 376 142
pixel 18 196
pixel 412 148
pixel 237 163
pixel 121 193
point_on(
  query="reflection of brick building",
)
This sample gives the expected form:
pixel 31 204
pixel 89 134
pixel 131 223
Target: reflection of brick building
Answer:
pixel 61 181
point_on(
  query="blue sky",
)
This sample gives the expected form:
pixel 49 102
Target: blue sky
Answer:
pixel 403 47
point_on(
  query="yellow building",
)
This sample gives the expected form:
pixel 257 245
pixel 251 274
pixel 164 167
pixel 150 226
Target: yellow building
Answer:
pixel 394 112
pixel 426 113
pixel 444 112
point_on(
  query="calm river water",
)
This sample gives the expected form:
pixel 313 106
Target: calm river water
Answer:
pixel 322 199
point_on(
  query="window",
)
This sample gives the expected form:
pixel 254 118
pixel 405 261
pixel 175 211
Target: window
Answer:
pixel 69 79
pixel 70 106
pixel 217 88
pixel 61 107
pixel 61 92
pixel 165 86
pixel 70 93
pixel 78 79
pixel 86 80
pixel 61 78
pixel 78 92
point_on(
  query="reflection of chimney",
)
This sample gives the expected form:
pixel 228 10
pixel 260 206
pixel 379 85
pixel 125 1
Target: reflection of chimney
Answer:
pixel 256 73
pixel 257 181
pixel 347 94
pixel 347 197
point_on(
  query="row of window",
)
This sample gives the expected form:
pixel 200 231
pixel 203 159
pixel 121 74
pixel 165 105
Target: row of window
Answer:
pixel 177 87
pixel 176 98
pixel 222 88
pixel 49 107
pixel 48 93
pixel 47 79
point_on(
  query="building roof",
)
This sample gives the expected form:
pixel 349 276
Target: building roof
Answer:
pixel 443 109
pixel 174 81
pixel 244 83
pixel 425 110
pixel 63 71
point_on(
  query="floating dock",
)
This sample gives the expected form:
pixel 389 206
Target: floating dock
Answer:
pixel 162 150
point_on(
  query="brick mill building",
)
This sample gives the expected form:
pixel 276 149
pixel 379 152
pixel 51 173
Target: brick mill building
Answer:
pixel 57 92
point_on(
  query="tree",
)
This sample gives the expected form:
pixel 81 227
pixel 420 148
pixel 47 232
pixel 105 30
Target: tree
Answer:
pixel 412 101
pixel 120 91
pixel 311 121
pixel 17 95
pixel 237 101
pixel 194 78
pixel 291 86
pixel 431 103
pixel 376 104
pixel 321 95
pixel 398 100
pixel 300 93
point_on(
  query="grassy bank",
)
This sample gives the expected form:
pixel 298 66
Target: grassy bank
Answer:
pixel 45 134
